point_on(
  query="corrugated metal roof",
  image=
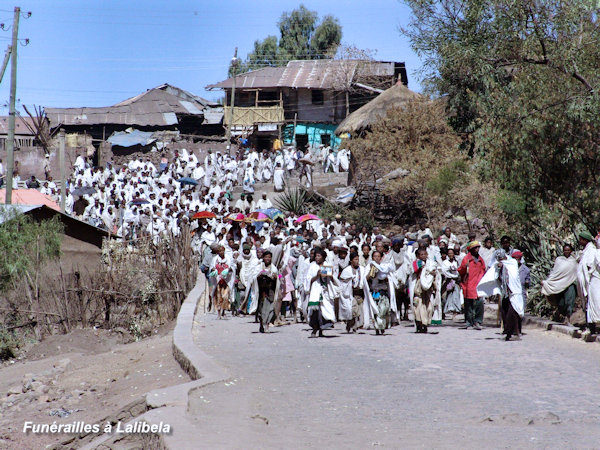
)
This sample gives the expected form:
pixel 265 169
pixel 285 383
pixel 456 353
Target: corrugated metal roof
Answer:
pixel 309 74
pixel 156 107
pixel 30 197
pixel 213 116
pixel 261 78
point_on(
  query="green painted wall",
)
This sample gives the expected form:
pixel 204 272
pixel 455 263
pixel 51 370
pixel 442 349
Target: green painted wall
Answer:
pixel 314 132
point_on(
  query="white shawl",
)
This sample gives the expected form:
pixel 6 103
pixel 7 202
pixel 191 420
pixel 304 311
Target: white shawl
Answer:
pixel 369 305
pixel 490 284
pixel 270 271
pixel 563 275
pixel 349 280
pixel 315 291
pixel 430 277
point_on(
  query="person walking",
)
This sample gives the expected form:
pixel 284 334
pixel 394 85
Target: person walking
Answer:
pixel 472 269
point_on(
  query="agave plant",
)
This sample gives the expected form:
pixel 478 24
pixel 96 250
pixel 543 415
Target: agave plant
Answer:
pixel 540 262
pixel 292 200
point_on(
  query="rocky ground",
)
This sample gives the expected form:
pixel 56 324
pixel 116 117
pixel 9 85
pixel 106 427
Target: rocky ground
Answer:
pixel 453 389
pixel 85 375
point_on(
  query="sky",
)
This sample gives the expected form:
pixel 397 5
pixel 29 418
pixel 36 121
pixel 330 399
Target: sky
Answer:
pixel 100 52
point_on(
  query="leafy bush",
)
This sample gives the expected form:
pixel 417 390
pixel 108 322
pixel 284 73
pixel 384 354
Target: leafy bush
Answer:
pixel 26 245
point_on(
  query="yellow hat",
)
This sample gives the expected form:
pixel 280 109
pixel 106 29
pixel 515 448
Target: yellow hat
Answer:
pixel 473 244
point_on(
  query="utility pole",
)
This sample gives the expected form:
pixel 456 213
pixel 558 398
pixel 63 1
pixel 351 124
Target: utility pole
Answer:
pixel 234 62
pixel 10 140
pixel 61 160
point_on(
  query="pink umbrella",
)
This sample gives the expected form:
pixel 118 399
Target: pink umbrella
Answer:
pixel 307 217
pixel 258 216
pixel 236 217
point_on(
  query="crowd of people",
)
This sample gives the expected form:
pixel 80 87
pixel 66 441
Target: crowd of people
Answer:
pixel 140 199
pixel 325 272
pixel 318 271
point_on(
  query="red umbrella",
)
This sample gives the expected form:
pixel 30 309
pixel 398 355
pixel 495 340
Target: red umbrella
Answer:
pixel 204 215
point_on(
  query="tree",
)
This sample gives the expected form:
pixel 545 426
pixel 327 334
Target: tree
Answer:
pixel 39 127
pixel 301 37
pixel 326 38
pixel 521 81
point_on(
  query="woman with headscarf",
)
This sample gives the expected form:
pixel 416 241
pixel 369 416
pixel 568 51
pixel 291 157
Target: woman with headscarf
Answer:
pixel 249 266
pixel 304 261
pixel 352 294
pixel 423 289
pixel 267 282
pixel 450 285
pixel 222 272
pixel 561 285
pixel 288 289
pixel 320 286
pixel 380 290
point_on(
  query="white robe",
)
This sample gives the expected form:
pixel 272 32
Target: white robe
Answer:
pixel 344 160
pixel 278 179
pixel 264 204
pixel 249 270
pixel 315 291
pixel 349 279
pixel 588 275
pixel 369 306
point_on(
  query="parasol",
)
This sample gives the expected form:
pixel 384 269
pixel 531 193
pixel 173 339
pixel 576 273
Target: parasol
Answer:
pixel 258 216
pixel 273 213
pixel 188 180
pixel 83 190
pixel 306 218
pixel 139 201
pixel 306 161
pixel 204 215
pixel 239 217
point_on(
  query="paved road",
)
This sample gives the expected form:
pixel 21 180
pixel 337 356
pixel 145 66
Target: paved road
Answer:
pixel 456 389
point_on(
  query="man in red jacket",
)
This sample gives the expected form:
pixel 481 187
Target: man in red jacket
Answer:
pixel 471 271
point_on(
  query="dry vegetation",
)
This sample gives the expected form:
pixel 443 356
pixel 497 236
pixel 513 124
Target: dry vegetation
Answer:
pixel 138 287
pixel 439 178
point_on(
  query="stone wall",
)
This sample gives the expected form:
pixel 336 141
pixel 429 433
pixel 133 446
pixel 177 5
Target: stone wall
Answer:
pixel 30 161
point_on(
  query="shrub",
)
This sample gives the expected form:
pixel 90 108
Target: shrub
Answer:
pixel 293 200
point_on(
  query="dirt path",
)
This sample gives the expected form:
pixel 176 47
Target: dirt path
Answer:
pixel 82 376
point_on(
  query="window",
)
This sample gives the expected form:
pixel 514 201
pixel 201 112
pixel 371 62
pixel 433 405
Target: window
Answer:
pixel 317 97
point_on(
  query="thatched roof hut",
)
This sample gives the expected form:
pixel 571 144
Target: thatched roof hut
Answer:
pixel 377 108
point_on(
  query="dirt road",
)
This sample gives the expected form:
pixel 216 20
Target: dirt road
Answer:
pixel 455 389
